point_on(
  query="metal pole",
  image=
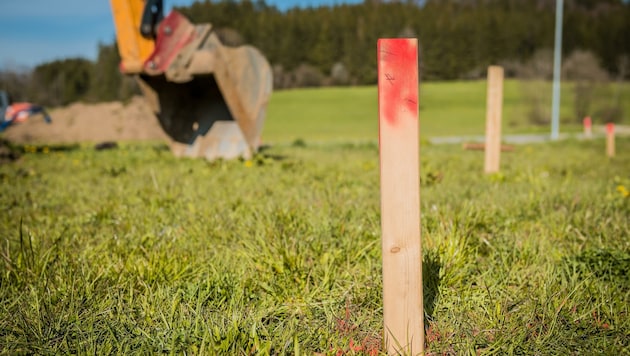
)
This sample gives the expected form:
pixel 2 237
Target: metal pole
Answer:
pixel 557 54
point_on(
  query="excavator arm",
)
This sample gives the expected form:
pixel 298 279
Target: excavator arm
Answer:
pixel 134 49
pixel 151 16
pixel 210 99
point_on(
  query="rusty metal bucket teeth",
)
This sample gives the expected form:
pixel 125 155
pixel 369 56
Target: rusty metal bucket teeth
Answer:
pixel 210 99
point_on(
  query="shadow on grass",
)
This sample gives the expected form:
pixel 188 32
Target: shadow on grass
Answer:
pixel 265 156
pixel 608 265
pixel 41 148
pixel 8 152
pixel 431 267
pixel 11 152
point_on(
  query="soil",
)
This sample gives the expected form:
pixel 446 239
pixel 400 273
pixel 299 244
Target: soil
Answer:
pixel 94 123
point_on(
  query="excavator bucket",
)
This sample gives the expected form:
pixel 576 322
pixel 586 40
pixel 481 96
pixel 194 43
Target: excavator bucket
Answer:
pixel 210 99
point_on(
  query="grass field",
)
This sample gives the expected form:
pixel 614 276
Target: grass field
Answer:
pixel 131 251
pixel 452 108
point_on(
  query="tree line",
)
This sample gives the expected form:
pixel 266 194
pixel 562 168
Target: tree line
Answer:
pixel 336 45
pixel 64 81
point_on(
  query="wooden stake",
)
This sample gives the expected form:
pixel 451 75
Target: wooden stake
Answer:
pixel 610 140
pixel 494 106
pixel 400 196
pixel 588 127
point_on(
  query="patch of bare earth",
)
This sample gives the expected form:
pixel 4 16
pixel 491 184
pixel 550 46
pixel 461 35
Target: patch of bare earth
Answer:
pixel 80 122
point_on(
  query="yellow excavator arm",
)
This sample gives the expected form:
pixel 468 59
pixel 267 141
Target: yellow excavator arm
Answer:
pixel 133 48
pixel 210 99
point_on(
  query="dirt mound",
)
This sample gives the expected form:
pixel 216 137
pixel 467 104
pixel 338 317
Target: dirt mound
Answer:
pixel 81 122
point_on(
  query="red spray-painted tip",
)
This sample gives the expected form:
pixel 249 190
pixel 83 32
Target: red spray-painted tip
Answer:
pixel 587 122
pixel 610 128
pixel 398 78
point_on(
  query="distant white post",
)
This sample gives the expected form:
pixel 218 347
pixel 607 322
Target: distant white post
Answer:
pixel 494 108
pixel 400 196
pixel 557 55
pixel 610 140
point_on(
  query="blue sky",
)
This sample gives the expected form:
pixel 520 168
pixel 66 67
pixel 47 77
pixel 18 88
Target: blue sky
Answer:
pixel 36 31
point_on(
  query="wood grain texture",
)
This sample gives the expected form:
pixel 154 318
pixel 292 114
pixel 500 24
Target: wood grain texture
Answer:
pixel 494 108
pixel 400 196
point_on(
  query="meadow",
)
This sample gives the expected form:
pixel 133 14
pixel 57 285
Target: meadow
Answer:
pixel 446 109
pixel 132 251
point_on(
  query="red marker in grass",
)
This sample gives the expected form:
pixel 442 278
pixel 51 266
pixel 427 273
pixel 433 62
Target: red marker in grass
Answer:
pixel 610 139
pixel 588 127
pixel 400 195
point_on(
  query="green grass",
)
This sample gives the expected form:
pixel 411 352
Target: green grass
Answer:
pixel 132 251
pixel 446 108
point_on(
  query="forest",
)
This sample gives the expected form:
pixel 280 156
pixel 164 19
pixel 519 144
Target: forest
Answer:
pixel 323 46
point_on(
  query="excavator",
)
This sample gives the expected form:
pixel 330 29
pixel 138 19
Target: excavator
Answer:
pixel 210 99
pixel 14 113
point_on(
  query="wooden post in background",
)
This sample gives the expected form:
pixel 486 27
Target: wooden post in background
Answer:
pixel 400 196
pixel 588 127
pixel 610 139
pixel 494 107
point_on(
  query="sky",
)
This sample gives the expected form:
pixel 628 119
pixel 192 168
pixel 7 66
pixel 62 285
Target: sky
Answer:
pixel 37 31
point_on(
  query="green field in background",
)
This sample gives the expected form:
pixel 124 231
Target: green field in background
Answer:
pixel 446 108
